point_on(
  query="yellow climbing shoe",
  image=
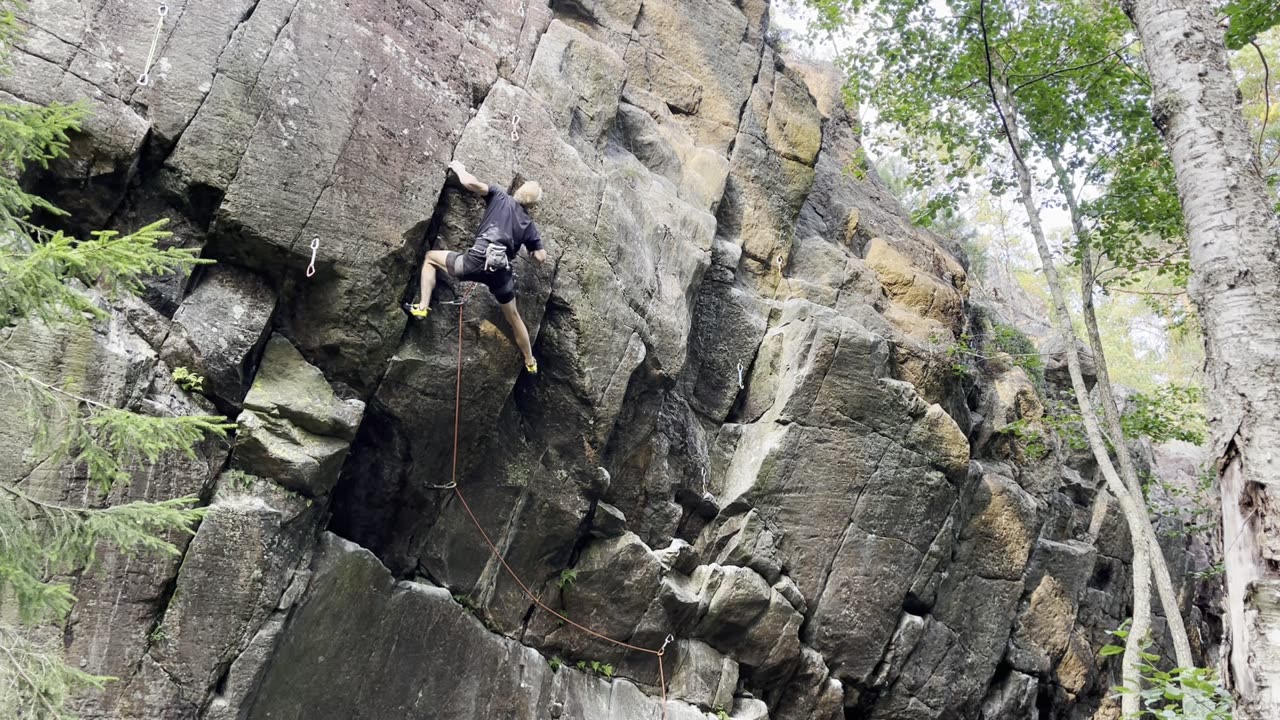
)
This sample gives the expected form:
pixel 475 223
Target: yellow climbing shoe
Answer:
pixel 415 310
pixel 531 367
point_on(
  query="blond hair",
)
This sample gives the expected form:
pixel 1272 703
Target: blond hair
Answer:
pixel 528 193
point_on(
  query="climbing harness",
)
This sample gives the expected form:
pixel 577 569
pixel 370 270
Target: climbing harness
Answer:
pixel 315 245
pixel 145 78
pixel 515 128
pixel 740 369
pixel 457 490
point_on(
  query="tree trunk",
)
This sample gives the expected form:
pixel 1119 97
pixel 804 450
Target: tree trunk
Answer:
pixel 1233 240
pixel 1110 410
pixel 1135 515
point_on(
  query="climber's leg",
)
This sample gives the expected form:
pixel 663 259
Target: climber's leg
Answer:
pixel 512 314
pixel 436 259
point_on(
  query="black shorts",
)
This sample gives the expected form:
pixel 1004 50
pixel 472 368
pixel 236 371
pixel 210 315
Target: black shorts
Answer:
pixel 470 268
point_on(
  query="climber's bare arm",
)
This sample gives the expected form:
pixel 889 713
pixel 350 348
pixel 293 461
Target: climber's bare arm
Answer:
pixel 539 256
pixel 468 180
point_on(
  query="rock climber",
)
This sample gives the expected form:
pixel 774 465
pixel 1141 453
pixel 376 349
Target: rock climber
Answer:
pixel 505 227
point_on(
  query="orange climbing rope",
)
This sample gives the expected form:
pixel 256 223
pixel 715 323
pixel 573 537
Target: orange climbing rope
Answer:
pixel 453 484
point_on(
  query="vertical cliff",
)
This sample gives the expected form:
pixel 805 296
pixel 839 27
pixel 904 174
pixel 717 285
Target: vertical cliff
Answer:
pixel 748 432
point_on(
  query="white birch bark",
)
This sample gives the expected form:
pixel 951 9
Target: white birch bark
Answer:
pixel 1234 241
pixel 1159 568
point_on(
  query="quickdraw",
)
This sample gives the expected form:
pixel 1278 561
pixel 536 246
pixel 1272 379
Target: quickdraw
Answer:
pixel 145 78
pixel 315 246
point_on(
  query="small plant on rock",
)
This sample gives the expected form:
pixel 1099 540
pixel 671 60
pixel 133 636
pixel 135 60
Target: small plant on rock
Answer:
pixel 241 479
pixel 567 578
pixel 556 663
pixel 1031 440
pixel 188 380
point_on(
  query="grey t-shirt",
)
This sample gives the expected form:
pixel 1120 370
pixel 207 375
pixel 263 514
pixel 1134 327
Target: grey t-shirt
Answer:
pixel 505 222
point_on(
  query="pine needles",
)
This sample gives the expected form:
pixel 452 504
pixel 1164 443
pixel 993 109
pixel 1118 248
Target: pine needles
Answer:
pixel 43 540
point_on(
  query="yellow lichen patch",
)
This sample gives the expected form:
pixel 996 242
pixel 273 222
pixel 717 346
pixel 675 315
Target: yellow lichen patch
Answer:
pixel 912 288
pixel 851 225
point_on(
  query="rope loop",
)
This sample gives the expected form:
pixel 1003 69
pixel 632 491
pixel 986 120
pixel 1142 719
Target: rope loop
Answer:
pixel 315 246
pixel 145 78
pixel 493 548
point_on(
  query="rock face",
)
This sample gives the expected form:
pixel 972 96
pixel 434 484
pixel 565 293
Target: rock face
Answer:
pixel 747 435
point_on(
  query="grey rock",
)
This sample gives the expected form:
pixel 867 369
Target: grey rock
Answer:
pixel 271 447
pixel 608 522
pixel 288 387
pixel 294 429
pixel 614 580
pixel 1055 583
pixel 749 709
pixel 1014 696
pixel 787 588
pixel 746 540
pixel 750 622
pixel 219 328
pixel 700 217
pixel 231 580
pixel 702 676
pixel 679 556
pixel 353 608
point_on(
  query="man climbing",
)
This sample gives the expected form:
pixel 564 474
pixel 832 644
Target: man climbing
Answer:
pixel 505 227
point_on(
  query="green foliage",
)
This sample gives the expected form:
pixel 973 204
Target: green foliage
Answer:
pixel 245 481
pixel 1170 694
pixel 188 380
pixel 158 636
pixel 992 337
pixel 962 357
pixel 35 263
pixel 34 683
pixel 1137 221
pixel 108 442
pixel 1066 424
pixel 567 578
pixel 43 541
pixel 1172 412
pixel 556 663
pixel 1248 19
pixel 1195 510
pixel 1029 438
pixel 721 714
pixel 1212 572
pixel 1011 340
pixel 1177 694
pixel 581 665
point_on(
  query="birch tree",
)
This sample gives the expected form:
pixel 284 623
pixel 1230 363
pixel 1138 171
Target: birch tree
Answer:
pixel 1234 245
pixel 1040 79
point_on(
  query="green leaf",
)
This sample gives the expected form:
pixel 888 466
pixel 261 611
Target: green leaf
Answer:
pixel 1249 18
